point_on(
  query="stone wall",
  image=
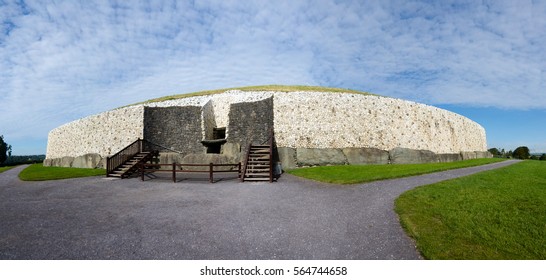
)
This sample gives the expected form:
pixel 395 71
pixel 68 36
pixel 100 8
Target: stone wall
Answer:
pixel 93 138
pixel 177 128
pixel 340 120
pixel 311 128
pixel 249 122
pixel 291 158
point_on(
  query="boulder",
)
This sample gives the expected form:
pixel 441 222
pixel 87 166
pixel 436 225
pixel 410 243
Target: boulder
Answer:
pixel 287 157
pixel 66 161
pixel 405 156
pixel 87 161
pixel 206 159
pixel 448 157
pixel 310 157
pixel 359 156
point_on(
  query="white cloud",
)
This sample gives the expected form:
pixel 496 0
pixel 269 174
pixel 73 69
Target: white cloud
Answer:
pixel 62 61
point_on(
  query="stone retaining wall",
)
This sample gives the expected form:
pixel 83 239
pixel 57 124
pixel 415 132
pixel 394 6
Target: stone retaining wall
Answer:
pixel 311 128
pixel 101 134
pixel 340 120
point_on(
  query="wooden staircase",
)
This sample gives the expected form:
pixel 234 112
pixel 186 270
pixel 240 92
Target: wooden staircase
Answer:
pixel 123 163
pixel 258 166
pixel 131 165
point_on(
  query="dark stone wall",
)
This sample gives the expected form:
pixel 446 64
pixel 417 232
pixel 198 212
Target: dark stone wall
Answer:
pixel 250 122
pixel 178 128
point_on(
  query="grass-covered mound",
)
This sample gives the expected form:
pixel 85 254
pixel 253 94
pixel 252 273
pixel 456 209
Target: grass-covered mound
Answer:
pixel 352 174
pixel 38 172
pixel 497 214
pixel 280 88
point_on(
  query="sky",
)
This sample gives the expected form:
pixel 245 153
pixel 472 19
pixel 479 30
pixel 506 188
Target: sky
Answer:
pixel 64 60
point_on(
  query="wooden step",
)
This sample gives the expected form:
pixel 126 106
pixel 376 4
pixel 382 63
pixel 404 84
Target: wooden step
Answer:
pixel 257 179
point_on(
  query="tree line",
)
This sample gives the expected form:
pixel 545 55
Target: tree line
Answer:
pixel 521 152
pixel 6 159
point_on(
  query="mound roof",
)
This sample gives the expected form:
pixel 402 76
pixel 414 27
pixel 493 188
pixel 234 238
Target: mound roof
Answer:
pixel 278 88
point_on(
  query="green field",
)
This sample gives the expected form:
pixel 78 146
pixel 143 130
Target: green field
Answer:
pixel 5 168
pixel 497 214
pixel 352 174
pixel 38 172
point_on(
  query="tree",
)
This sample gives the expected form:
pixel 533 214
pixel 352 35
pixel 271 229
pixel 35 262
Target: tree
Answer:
pixel 521 152
pixel 495 152
pixel 542 157
pixel 4 148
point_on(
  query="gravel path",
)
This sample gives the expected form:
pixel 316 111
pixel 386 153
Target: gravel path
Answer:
pixel 99 218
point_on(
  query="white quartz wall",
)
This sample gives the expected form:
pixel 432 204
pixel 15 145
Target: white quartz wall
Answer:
pixel 103 134
pixel 301 120
pixel 342 120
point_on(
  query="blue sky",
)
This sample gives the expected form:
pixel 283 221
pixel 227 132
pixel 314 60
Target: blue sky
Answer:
pixel 64 60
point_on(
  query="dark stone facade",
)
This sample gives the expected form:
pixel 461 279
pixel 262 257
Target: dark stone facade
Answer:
pixel 250 122
pixel 177 128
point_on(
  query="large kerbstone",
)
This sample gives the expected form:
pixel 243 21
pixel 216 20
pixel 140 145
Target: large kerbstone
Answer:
pixel 309 157
pixel 287 157
pixel 232 150
pixel 48 162
pixel 66 161
pixel 366 156
pixel 207 159
pixel 87 161
pixel 405 156
pixel 484 154
pixel 468 155
pixel 448 157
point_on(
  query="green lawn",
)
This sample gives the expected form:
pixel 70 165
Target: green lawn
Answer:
pixel 5 168
pixel 38 172
pixel 351 174
pixel 281 88
pixel 497 214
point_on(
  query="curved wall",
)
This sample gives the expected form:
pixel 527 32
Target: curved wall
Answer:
pixel 339 120
pixel 310 128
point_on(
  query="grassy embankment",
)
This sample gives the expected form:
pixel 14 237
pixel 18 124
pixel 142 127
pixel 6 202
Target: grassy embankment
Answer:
pixel 281 88
pixel 38 172
pixel 5 168
pixel 497 214
pixel 352 174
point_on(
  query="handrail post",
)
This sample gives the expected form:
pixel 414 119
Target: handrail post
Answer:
pixel 141 169
pixel 239 170
pixel 211 179
pixel 174 172
pixel 107 166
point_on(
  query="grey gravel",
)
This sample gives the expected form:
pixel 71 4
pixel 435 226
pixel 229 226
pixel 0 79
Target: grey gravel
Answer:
pixel 99 218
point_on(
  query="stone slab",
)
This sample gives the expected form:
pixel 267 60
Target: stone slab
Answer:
pixel 359 156
pixel 310 157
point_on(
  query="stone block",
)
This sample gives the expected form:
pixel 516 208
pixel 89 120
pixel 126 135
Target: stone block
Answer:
pixel 484 154
pixel 359 156
pixel 310 157
pixel 406 156
pixel 48 162
pixel 468 155
pixel 232 150
pixel 66 161
pixel 87 161
pixel 206 159
pixel 287 157
pixel 448 157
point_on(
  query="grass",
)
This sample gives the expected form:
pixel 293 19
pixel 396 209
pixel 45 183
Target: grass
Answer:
pixel 281 88
pixel 497 214
pixel 38 172
pixel 5 168
pixel 352 174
